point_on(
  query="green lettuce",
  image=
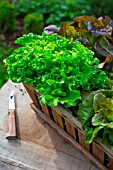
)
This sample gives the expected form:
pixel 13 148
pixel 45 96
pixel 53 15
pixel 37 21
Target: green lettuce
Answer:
pixel 59 68
pixel 96 115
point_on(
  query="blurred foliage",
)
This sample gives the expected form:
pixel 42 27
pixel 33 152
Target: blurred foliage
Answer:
pixel 33 23
pixel 5 51
pixel 101 8
pixel 54 11
pixel 7 17
pixel 57 11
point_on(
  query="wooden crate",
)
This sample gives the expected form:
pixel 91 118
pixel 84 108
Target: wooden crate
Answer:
pixel 70 128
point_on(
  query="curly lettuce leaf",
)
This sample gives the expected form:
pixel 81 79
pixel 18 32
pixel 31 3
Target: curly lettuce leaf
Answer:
pixel 85 111
pixel 96 114
pixel 98 99
pixel 91 133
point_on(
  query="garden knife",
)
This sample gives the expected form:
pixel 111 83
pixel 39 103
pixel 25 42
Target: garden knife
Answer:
pixel 11 117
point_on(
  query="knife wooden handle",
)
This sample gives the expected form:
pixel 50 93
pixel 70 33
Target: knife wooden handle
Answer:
pixel 11 125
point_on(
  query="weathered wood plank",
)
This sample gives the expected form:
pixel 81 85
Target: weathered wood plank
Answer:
pixel 32 95
pixel 93 168
pixel 6 164
pixel 57 118
pixel 45 109
pixel 65 113
pixel 70 129
pixel 39 146
pixel 59 109
pixel 69 138
pixel 82 140
pixel 98 152
pixel 111 164
pixel 105 149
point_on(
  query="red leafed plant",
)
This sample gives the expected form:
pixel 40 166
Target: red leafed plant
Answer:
pixel 94 33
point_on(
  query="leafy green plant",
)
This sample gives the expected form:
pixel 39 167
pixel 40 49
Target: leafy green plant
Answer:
pixel 95 111
pixel 25 7
pixel 3 75
pixel 54 12
pixel 5 51
pixel 64 11
pixel 96 114
pixel 57 67
pixel 7 17
pixel 94 33
pixel 100 8
pixel 33 23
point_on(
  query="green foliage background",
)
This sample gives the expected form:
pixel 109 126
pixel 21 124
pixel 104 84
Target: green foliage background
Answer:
pixel 5 50
pixel 7 17
pixel 53 11
pixel 33 23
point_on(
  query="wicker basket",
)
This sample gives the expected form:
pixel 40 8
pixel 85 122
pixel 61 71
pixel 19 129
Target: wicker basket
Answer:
pixel 70 128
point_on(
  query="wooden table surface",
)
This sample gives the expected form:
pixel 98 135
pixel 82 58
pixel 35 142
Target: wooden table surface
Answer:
pixel 38 147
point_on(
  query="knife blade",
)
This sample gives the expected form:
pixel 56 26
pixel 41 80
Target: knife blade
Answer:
pixel 11 134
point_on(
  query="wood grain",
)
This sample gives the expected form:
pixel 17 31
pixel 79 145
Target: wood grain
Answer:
pixel 98 152
pixel 39 146
pixel 57 118
pixel 69 138
pixel 70 129
pixel 75 122
pixel 59 109
pixel 82 140
pixel 32 95
pixel 111 164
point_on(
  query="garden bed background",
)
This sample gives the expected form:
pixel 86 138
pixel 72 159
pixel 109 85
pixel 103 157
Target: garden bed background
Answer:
pixel 70 128
pixel 54 12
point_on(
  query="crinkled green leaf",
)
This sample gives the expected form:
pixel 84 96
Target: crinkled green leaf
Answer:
pixel 71 30
pixel 42 99
pixel 57 68
pixel 98 119
pixel 107 108
pixel 100 50
pixel 108 136
pixel 98 99
pixel 58 92
pixel 105 45
pixel 51 82
pixel 70 99
pixel 91 133
pixel 85 111
pixel 103 42
pixel 109 125
pixel 109 103
pixel 53 102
